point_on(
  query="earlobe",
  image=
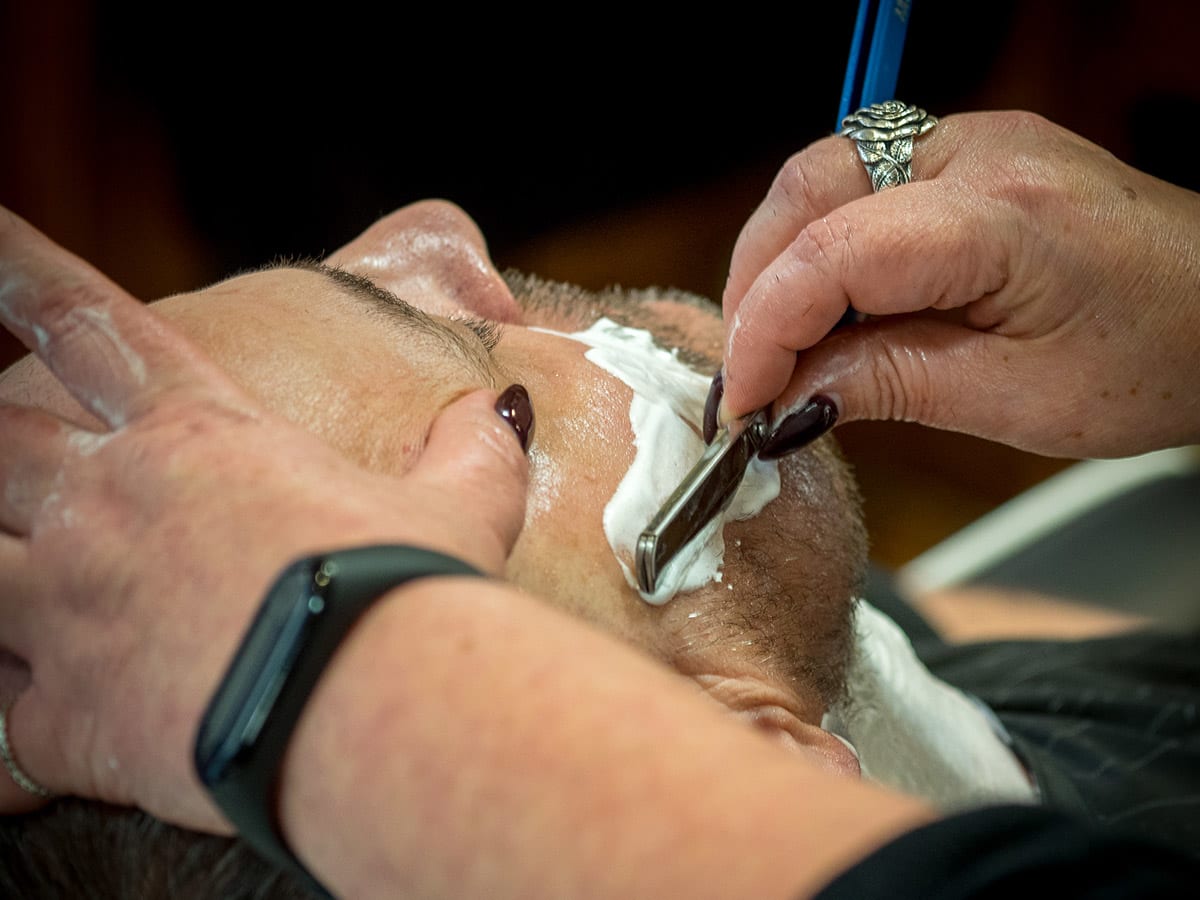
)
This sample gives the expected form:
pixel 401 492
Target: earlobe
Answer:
pixel 432 254
pixel 822 748
pixel 833 753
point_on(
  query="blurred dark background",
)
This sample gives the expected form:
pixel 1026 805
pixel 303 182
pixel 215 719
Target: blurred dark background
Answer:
pixel 173 145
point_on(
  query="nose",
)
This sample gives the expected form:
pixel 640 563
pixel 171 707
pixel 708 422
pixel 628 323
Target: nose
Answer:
pixel 432 255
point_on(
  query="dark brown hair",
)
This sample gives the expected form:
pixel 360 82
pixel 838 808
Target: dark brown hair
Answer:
pixel 77 849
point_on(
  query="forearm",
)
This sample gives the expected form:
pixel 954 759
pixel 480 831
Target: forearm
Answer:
pixel 520 754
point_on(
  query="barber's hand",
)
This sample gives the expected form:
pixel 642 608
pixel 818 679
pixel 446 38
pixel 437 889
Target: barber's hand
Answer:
pixel 131 561
pixel 1030 289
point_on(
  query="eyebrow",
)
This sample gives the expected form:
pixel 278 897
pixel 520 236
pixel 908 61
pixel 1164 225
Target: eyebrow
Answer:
pixel 476 354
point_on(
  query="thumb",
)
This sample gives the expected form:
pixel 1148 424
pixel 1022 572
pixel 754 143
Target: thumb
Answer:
pixel 474 464
pixel 946 376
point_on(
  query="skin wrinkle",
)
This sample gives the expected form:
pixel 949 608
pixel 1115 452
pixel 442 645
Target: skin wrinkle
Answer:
pixel 91 323
pixel 95 325
pixel 98 320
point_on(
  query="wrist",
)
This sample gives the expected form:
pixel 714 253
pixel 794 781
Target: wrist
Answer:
pixel 300 624
pixel 358 746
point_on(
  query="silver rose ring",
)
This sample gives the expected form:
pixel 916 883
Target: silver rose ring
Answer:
pixel 884 135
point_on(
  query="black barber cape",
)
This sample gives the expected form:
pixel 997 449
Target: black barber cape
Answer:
pixel 1110 728
pixel 1018 852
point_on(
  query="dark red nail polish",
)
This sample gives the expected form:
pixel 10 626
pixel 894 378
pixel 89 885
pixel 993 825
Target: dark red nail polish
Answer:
pixel 712 405
pixel 800 428
pixel 514 408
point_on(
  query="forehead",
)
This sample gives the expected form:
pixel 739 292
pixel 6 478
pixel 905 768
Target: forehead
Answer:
pixel 678 319
pixel 322 310
pixel 299 292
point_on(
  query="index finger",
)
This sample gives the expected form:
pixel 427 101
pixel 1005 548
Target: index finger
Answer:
pixel 108 349
pixel 817 180
pixel 923 246
pixel 821 178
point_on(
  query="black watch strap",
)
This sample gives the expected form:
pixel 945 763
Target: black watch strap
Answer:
pixel 299 626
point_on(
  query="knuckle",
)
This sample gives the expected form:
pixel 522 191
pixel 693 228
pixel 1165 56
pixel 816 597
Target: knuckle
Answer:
pixel 1019 121
pixel 826 244
pixel 899 382
pixel 1035 168
pixel 795 185
pixel 60 310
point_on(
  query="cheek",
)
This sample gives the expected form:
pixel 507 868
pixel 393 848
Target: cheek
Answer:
pixel 582 448
pixel 582 445
pixel 809 542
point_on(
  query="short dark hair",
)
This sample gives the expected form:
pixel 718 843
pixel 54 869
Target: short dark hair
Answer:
pixel 83 849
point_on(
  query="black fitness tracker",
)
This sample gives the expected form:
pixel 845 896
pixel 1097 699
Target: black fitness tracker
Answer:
pixel 299 626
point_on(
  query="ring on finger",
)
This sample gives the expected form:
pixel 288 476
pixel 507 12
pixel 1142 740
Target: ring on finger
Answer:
pixel 15 772
pixel 884 133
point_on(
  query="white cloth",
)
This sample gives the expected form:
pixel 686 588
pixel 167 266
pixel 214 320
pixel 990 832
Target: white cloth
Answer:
pixel 916 733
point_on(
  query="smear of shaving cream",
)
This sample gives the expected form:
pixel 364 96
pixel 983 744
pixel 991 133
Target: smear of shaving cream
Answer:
pixel 666 414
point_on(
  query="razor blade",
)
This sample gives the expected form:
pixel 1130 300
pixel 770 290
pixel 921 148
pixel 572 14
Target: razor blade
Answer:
pixel 704 494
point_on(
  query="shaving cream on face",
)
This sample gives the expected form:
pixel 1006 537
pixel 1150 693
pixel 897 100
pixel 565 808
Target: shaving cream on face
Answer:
pixel 665 414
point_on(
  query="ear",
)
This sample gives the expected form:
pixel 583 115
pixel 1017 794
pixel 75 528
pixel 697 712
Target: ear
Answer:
pixel 431 254
pixel 820 747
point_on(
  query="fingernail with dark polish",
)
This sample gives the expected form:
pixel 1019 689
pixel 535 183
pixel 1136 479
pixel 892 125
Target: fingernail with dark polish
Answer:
pixel 515 409
pixel 800 428
pixel 712 405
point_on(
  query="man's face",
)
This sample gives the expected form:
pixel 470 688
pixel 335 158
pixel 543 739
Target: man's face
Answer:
pixel 331 349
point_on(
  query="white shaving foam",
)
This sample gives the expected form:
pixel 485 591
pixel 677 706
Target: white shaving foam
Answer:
pixel 666 416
